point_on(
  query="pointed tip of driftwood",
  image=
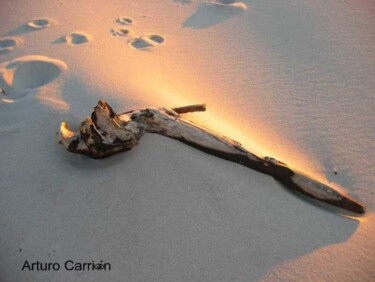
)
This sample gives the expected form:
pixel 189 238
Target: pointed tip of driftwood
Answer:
pixel 351 205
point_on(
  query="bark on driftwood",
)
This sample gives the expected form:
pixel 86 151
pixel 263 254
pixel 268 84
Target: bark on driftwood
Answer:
pixel 106 133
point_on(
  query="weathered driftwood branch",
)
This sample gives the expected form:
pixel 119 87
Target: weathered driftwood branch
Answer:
pixel 106 133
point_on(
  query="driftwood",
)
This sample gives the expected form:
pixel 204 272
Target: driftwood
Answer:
pixel 106 133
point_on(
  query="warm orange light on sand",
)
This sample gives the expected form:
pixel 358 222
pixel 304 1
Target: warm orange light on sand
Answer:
pixel 217 118
pixel 264 145
pixel 158 77
pixel 361 219
pixel 161 87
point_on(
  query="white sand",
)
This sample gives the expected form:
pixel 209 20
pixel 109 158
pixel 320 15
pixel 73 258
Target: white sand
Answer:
pixel 291 79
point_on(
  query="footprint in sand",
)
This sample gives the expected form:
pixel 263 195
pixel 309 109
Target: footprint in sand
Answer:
pixel 146 41
pixel 19 76
pixel 31 26
pixel 41 23
pixel 229 3
pixel 120 32
pixel 77 38
pixel 124 21
pixel 8 44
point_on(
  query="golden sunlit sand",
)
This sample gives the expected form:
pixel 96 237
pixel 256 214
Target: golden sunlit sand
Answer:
pixel 288 79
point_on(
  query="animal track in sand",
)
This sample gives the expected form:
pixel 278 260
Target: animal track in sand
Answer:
pixel 77 38
pixel 120 32
pixel 124 21
pixel 8 44
pixel 146 41
pixel 41 23
pixel 229 3
pixel 19 76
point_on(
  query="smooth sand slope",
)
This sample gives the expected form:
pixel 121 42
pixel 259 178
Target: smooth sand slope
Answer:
pixel 289 79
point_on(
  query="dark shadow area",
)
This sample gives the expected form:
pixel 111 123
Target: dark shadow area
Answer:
pixel 21 30
pixel 59 40
pixel 210 15
pixel 239 222
pixel 194 209
pixel 183 1
pixel 4 51
pixel 30 26
pixel 8 44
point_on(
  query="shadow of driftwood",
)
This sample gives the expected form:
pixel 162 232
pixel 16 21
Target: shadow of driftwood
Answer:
pixel 209 15
pixel 237 225
pixel 217 220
